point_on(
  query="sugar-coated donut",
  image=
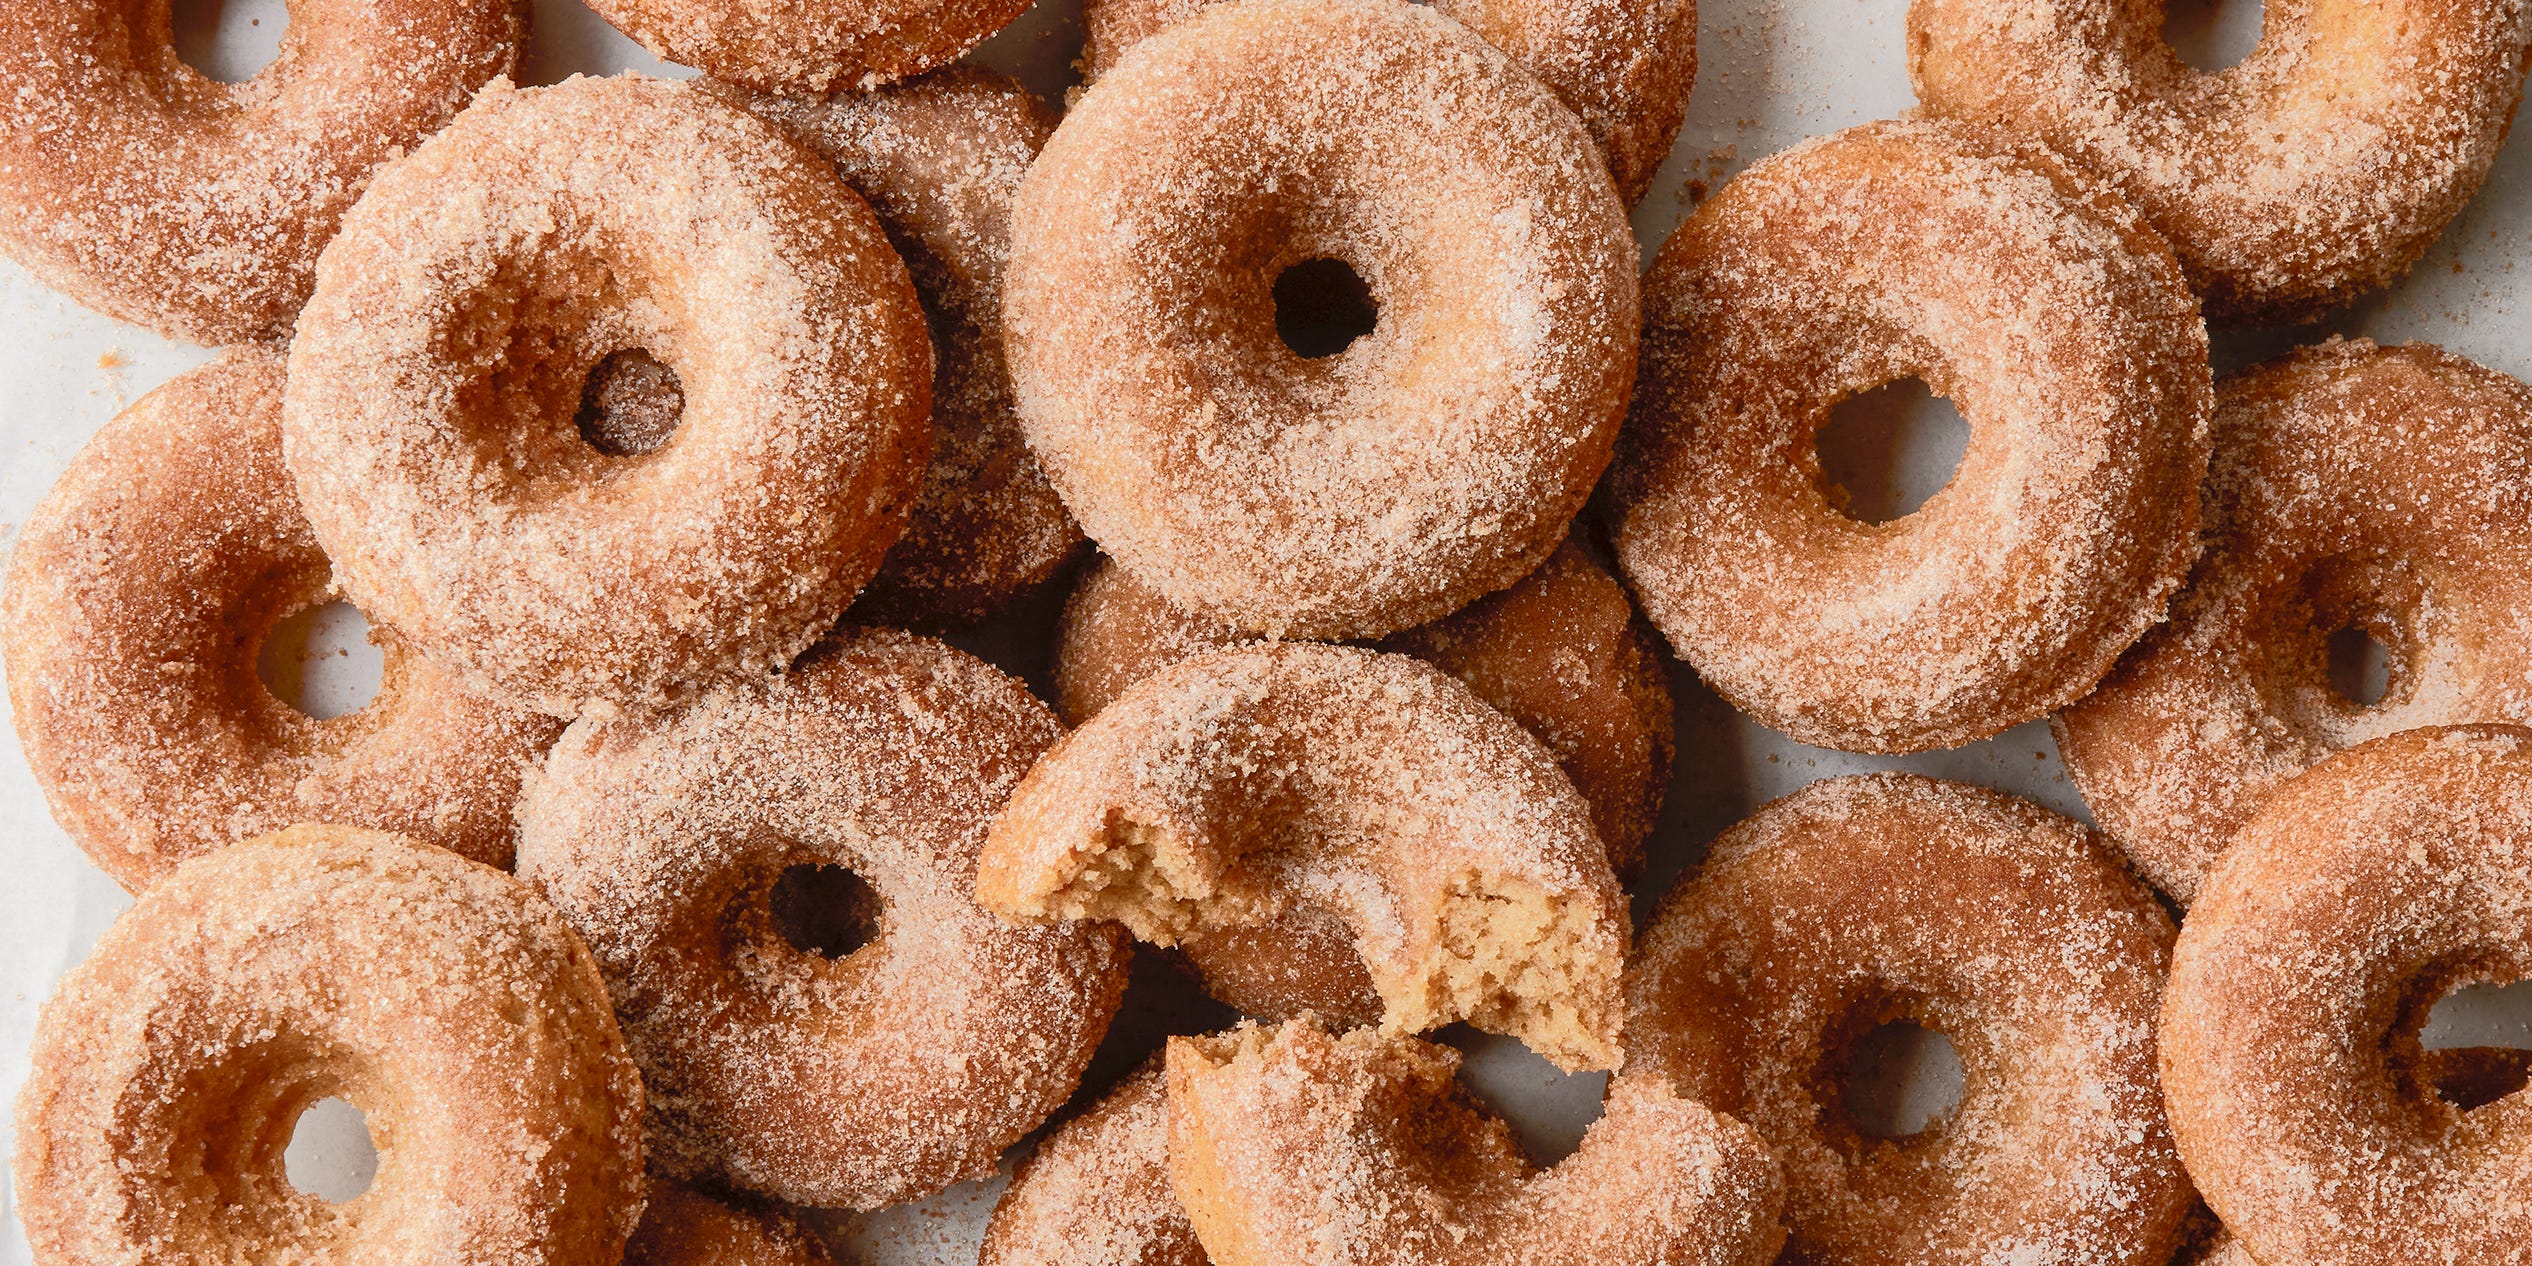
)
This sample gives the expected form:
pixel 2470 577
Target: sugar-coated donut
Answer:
pixel 156 195
pixel 436 995
pixel 940 159
pixel 1290 1146
pixel 860 1081
pixel 1435 459
pixel 2353 486
pixel 1624 66
pixel 1096 1191
pixel 429 419
pixel 2025 293
pixel 2358 896
pixel 140 594
pixel 809 47
pixel 1861 901
pixel 684 1227
pixel 2320 166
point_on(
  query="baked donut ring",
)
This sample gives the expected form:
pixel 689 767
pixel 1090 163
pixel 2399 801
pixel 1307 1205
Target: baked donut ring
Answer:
pixel 1289 1146
pixel 2353 486
pixel 1436 459
pixel 436 995
pixel 2023 292
pixel 2320 166
pixel 1226 790
pixel 861 1081
pixel 429 415
pixel 140 594
pixel 809 47
pixel 2356 898
pixel 1097 1190
pixel 1860 901
pixel 145 190
pixel 683 1227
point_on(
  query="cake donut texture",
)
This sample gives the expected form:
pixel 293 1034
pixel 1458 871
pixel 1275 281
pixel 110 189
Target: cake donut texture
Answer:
pixel 809 47
pixel 684 1227
pixel 1096 1191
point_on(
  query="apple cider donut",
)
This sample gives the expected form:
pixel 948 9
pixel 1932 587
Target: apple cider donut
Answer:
pixel 429 419
pixel 140 594
pixel 684 1227
pixel 2356 898
pixel 1862 901
pixel 1435 459
pixel 436 995
pixel 2077 358
pixel 807 48
pixel 1223 791
pixel 2388 490
pixel 1096 1191
pixel 156 195
pixel 882 1076
pixel 2321 166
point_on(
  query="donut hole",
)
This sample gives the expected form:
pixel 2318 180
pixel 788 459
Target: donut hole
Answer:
pixel 321 662
pixel 630 403
pixel 227 41
pixel 1546 1108
pixel 331 1155
pixel 1322 306
pixel 1901 1080
pixel 2211 36
pixel 2351 641
pixel 2476 1044
pixel 1884 453
pixel 2359 665
pixel 825 910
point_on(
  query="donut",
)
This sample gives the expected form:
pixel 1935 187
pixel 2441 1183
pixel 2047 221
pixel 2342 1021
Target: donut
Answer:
pixel 1290 1145
pixel 940 159
pixel 435 994
pixel 428 419
pixel 1226 790
pixel 2320 166
pixel 684 1227
pixel 1624 66
pixel 1096 1191
pixel 139 597
pixel 865 1080
pixel 1437 458
pixel 807 48
pixel 2353 486
pixel 2359 894
pixel 139 187
pixel 1861 901
pixel 2022 291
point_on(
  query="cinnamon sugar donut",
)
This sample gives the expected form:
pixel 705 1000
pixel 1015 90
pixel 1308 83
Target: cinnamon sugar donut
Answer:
pixel 436 995
pixel 2356 898
pixel 1861 901
pixel 429 419
pixel 1437 458
pixel 861 1081
pixel 2320 166
pixel 809 47
pixel 1226 790
pixel 145 190
pixel 139 596
pixel 2353 486
pixel 1096 1191
pixel 683 1227
pixel 2027 295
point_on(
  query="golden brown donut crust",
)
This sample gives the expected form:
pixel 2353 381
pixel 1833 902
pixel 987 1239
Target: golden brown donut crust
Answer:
pixel 2385 489
pixel 2014 932
pixel 1435 459
pixel 437 995
pixel 196 209
pixel 139 596
pixel 2022 291
pixel 809 47
pixel 684 1227
pixel 1096 1191
pixel 2357 897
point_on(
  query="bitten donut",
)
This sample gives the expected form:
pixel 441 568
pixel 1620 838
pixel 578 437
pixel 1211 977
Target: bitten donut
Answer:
pixel 156 195
pixel 806 48
pixel 139 597
pixel 2388 490
pixel 940 160
pixel 1863 901
pixel 1225 791
pixel 882 1076
pixel 1435 459
pixel 429 419
pixel 683 1227
pixel 436 995
pixel 2027 295
pixel 1096 1191
pixel 2320 166
pixel 2360 895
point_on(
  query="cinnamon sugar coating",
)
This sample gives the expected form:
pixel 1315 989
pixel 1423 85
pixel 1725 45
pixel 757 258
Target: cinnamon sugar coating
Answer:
pixel 139 596
pixel 1096 1191
pixel 866 1080
pixel 2359 895
pixel 1861 901
pixel 809 47
pixel 437 995
pixel 2320 166
pixel 429 415
pixel 2353 487
pixel 1435 459
pixel 2022 291
pixel 193 208
pixel 684 1227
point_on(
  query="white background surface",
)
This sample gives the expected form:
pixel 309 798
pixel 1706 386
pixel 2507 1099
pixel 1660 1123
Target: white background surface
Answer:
pixel 1770 74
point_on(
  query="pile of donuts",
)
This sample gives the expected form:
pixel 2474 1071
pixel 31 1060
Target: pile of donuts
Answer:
pixel 661 429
